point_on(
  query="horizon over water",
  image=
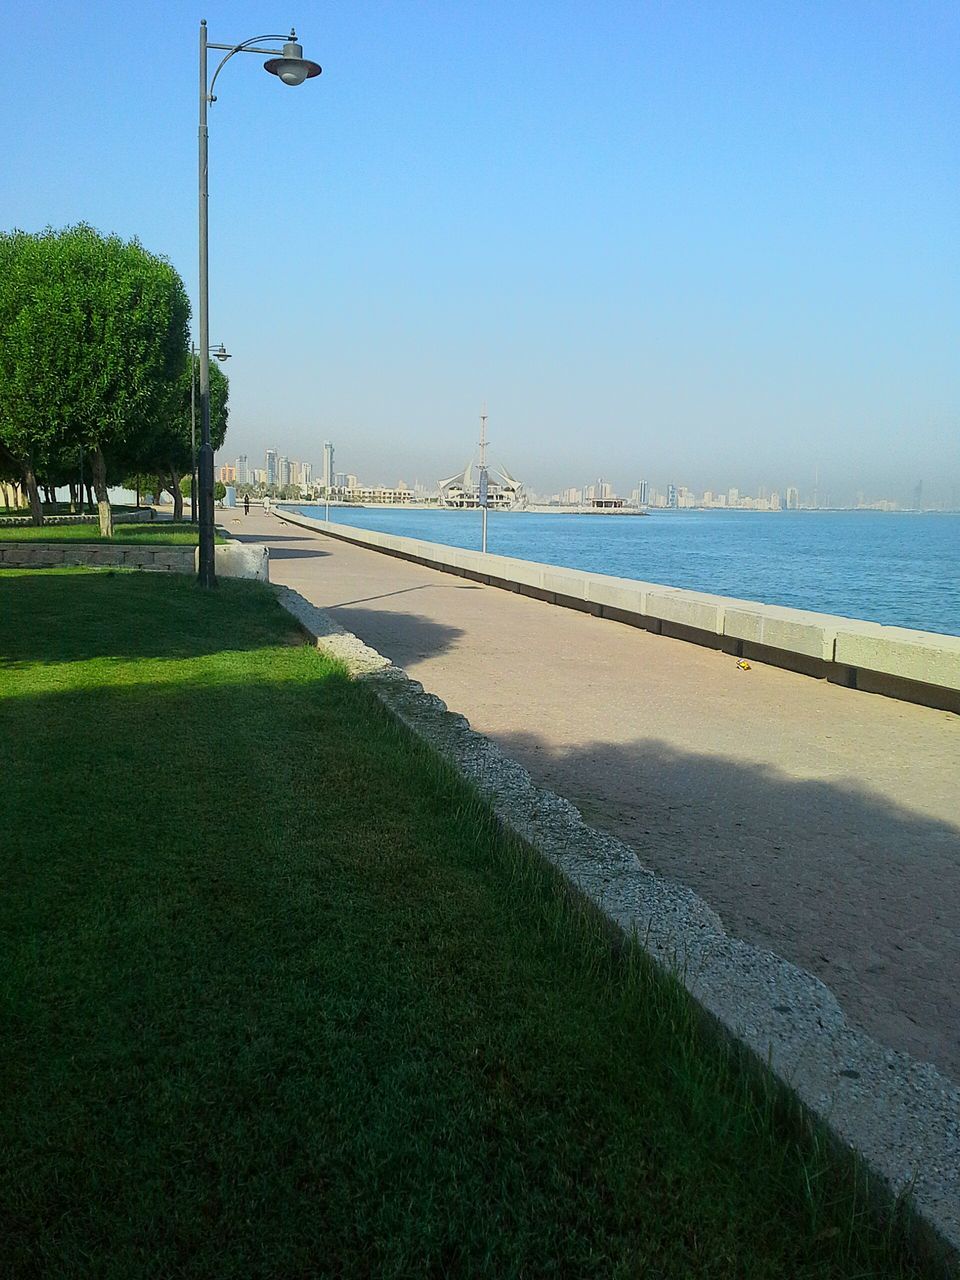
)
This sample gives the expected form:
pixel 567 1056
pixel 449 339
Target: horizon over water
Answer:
pixel 897 568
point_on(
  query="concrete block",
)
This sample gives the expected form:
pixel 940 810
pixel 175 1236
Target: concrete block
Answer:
pixel 526 573
pixel 565 582
pixel 620 594
pixel 692 609
pixel 895 651
pixel 242 560
pixel 743 622
pixel 799 631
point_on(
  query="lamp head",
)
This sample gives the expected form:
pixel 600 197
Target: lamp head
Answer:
pixel 292 68
pixel 221 353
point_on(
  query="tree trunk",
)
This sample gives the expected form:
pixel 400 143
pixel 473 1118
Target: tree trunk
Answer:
pixel 89 496
pixel 50 497
pixel 174 478
pixel 73 497
pixel 33 492
pixel 99 469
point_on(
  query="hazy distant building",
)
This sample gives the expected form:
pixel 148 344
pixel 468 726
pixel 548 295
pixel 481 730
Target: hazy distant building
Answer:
pixel 243 471
pixel 640 494
pixel 672 495
pixel 326 471
pixel 733 497
pixel 271 467
pixel 306 474
pixel 283 471
pixel 793 498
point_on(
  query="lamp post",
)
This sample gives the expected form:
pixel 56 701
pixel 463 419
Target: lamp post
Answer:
pixel 219 353
pixel 290 67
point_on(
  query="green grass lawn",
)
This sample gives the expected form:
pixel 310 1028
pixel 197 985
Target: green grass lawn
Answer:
pixel 159 532
pixel 278 999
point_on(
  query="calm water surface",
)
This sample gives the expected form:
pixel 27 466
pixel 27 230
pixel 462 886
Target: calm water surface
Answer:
pixel 897 568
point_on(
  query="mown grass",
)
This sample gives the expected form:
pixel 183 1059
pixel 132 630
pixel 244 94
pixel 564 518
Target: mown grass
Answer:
pixel 280 1000
pixel 163 532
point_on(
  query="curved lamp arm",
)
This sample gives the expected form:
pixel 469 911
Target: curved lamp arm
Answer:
pixel 242 48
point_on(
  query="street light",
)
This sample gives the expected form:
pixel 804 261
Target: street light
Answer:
pixel 219 353
pixel 289 66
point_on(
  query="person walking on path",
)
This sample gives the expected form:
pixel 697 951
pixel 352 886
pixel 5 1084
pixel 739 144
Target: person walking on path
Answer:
pixel 246 504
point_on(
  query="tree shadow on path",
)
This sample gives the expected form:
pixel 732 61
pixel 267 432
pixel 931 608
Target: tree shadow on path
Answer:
pixel 401 637
pixel 859 891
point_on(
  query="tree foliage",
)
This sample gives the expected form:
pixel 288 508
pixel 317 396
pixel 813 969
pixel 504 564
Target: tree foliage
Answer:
pixel 171 449
pixel 94 335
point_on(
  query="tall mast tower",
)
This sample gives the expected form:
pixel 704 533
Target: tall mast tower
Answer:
pixel 483 482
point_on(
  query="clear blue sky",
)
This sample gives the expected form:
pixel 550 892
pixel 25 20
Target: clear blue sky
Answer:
pixel 714 243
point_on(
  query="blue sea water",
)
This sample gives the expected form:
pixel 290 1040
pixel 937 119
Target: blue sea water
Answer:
pixel 897 568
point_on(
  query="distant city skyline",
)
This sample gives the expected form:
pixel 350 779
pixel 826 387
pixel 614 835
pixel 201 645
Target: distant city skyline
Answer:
pixel 280 471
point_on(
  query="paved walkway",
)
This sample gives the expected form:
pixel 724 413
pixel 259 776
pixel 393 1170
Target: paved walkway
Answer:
pixel 819 821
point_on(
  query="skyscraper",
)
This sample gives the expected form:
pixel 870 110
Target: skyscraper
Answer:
pixel 326 475
pixel 271 468
pixel 243 476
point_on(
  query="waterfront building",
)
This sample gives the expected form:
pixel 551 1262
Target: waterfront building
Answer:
pixel 326 471
pixel 733 497
pixel 672 495
pixel 373 493
pixel 283 471
pixel 243 471
pixel 793 498
pixel 306 474
pixel 271 467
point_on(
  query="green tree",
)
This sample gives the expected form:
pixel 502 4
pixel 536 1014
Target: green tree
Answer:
pixel 219 491
pixel 94 334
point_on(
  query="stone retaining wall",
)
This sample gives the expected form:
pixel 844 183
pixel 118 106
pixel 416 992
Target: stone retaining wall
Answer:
pixel 233 559
pixel 916 666
pixel 119 517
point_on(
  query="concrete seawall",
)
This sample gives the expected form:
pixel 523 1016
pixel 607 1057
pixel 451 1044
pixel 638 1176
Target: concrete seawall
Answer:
pixel 915 666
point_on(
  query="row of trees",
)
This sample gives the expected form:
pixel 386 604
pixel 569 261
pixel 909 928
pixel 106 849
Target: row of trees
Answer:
pixel 95 363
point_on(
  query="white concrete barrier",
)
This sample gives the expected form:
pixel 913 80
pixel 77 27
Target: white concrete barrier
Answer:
pixel 918 666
